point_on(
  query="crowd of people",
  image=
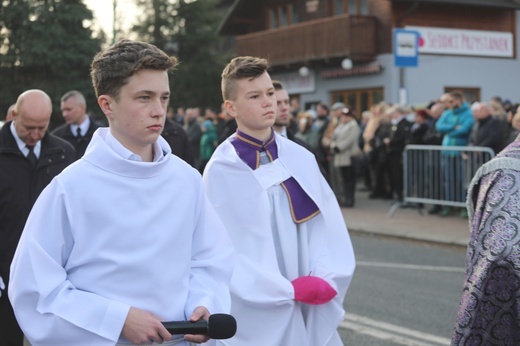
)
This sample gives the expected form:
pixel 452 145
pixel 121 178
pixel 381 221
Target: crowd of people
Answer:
pixel 108 231
pixel 350 149
pixel 204 132
pixel 369 147
pixel 87 209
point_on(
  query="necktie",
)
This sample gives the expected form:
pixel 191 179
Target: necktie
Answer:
pixel 31 156
pixel 78 132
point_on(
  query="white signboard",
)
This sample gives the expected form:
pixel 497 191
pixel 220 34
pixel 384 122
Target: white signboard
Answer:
pixel 296 84
pixel 406 45
pixel 464 42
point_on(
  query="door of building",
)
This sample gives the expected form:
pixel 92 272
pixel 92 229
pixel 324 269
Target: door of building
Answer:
pixel 359 100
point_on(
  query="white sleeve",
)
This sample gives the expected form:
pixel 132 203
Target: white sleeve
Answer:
pixel 49 309
pixel 212 262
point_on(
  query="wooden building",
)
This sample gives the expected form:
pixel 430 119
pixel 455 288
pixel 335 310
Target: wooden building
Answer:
pixel 342 50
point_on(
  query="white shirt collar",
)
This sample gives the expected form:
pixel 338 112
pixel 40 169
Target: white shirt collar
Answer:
pixel 83 126
pixel 282 133
pixel 22 146
pixel 122 151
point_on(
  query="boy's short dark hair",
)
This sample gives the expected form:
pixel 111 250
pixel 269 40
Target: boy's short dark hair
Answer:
pixel 240 68
pixel 111 68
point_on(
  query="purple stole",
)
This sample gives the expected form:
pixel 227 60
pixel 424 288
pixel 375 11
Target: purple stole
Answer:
pixel 248 149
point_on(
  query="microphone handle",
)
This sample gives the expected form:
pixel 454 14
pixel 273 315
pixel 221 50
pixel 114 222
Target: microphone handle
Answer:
pixel 187 327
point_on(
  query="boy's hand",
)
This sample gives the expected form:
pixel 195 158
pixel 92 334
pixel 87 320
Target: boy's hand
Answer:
pixel 141 327
pixel 200 313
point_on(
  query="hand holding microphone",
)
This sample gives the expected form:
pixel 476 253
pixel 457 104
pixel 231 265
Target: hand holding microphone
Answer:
pixel 141 327
pixel 218 326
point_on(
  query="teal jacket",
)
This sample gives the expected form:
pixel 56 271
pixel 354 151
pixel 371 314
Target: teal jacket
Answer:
pixel 455 124
pixel 208 141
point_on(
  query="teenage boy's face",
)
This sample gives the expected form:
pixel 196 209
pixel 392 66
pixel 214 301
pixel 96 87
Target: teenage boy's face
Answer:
pixel 254 107
pixel 137 118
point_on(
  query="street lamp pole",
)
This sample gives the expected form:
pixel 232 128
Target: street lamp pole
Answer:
pixel 403 95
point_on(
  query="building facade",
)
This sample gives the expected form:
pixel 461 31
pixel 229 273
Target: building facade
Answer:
pixel 343 50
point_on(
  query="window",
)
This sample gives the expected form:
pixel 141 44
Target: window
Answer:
pixel 352 7
pixel 273 18
pixel 360 100
pixel 363 7
pixel 337 7
pixel 282 15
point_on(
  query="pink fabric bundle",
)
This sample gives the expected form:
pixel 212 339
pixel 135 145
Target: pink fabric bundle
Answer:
pixel 312 290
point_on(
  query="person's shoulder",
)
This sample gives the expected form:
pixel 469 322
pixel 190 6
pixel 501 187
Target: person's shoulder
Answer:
pixel 225 152
pixel 93 126
pixel 496 121
pixel 465 110
pixel 179 162
pixel 61 130
pixel 56 142
pixel 446 113
pixel 224 158
pixel 295 138
pixel 293 147
pixel 512 150
pixel 6 137
pixel 173 127
pixel 175 124
pixel 508 160
pixel 352 126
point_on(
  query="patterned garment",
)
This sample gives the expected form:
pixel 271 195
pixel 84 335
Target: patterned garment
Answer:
pixel 489 311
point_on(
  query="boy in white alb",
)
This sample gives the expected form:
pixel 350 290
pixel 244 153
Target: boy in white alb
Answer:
pixel 294 256
pixel 125 237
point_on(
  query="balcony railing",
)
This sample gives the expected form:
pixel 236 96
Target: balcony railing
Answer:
pixel 332 37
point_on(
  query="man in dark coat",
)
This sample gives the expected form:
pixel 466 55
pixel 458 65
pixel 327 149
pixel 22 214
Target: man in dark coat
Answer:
pixel 30 158
pixel 488 131
pixel 434 137
pixel 399 135
pixel 419 127
pixel 78 128
pixel 193 131
pixel 178 141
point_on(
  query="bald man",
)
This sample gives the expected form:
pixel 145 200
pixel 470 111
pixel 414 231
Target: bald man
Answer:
pixel 10 110
pixel 8 116
pixel 488 130
pixel 30 157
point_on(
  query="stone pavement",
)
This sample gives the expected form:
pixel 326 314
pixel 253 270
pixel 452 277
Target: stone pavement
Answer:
pixel 371 216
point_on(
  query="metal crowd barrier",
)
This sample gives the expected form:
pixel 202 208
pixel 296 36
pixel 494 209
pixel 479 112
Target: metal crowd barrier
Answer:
pixel 434 174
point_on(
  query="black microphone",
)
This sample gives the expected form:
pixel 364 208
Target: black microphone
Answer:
pixel 219 326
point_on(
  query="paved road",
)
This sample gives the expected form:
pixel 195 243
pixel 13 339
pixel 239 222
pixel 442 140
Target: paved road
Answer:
pixel 403 292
